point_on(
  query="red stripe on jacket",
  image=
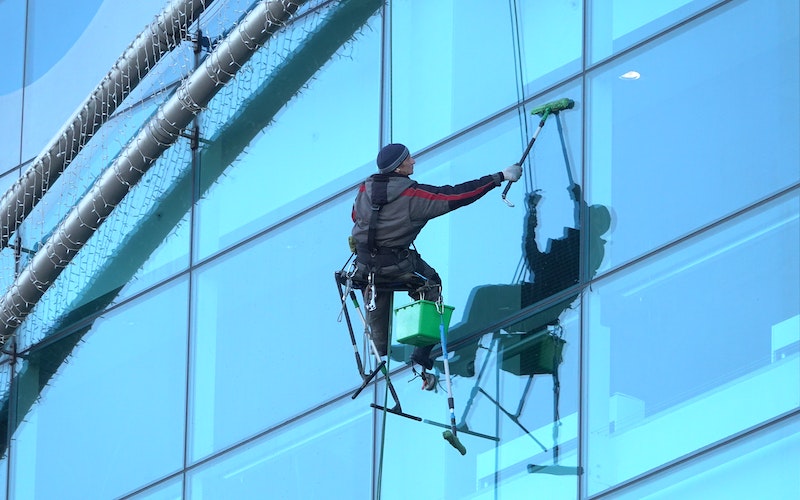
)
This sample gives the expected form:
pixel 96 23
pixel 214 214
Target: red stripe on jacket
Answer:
pixel 431 195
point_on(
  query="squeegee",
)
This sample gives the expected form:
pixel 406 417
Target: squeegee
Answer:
pixel 545 110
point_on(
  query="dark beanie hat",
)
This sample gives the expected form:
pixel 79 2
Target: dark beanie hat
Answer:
pixel 390 157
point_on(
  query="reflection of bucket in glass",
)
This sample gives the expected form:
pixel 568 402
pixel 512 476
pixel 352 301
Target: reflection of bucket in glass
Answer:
pixel 531 354
pixel 418 323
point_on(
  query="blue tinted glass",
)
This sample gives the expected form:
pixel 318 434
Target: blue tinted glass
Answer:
pixel 615 26
pixel 61 74
pixel 110 398
pixel 551 41
pixel 709 328
pixel 325 454
pixel 12 24
pixel 452 65
pixel 8 179
pixel 515 394
pixel 81 174
pixel 170 490
pixel 457 244
pixel 8 267
pixel 146 238
pixel 266 334
pixel 486 254
pixel 289 141
pixel 55 28
pixel 147 217
pixel 3 476
pixel 5 388
pixel 678 147
pixel 728 472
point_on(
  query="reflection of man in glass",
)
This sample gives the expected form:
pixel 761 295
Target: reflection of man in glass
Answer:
pixel 558 267
pixel 553 270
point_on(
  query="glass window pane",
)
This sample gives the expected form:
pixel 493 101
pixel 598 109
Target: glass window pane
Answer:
pixel 266 334
pixel 452 63
pixel 4 476
pixel 145 239
pixel 457 244
pixel 110 399
pixel 487 254
pixel 282 152
pixel 325 454
pixel 7 258
pixel 59 72
pixel 79 177
pixel 617 25
pixel 5 405
pixel 169 490
pixel 12 25
pixel 551 41
pixel 709 329
pixel 516 398
pixel 770 455
pixel 679 147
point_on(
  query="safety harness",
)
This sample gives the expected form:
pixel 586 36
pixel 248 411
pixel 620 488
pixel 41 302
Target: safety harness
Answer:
pixel 371 255
pixel 380 197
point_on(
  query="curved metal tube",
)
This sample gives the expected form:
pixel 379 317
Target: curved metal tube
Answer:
pixel 137 157
pixel 164 34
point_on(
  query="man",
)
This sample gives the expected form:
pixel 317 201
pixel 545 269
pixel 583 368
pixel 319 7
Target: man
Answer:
pixel 389 212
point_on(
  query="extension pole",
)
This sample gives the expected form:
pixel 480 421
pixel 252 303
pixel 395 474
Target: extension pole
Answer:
pixel 545 111
pixel 344 294
pixel 451 436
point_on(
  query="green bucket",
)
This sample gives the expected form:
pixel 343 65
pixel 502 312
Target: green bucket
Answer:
pixel 418 323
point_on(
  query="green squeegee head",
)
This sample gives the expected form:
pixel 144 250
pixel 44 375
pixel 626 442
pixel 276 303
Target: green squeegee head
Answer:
pixel 553 107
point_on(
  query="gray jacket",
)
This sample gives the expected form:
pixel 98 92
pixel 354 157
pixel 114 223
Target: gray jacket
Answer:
pixel 406 206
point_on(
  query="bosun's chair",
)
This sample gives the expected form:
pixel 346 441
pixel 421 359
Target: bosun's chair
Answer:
pixel 347 285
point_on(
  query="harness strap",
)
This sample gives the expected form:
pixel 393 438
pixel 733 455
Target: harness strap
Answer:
pixel 384 257
pixel 380 197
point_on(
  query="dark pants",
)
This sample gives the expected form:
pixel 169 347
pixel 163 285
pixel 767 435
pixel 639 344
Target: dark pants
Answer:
pixel 410 272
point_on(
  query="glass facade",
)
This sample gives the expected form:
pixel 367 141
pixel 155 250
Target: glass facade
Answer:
pixel 179 183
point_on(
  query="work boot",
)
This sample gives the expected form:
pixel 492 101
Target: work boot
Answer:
pixel 421 356
pixel 429 381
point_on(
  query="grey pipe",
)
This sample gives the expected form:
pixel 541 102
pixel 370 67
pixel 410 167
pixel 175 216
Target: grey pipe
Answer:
pixel 161 36
pixel 137 157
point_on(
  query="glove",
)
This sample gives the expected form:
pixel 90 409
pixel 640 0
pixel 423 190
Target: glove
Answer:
pixel 512 173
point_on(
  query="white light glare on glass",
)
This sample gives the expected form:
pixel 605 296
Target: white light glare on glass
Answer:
pixel 630 75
